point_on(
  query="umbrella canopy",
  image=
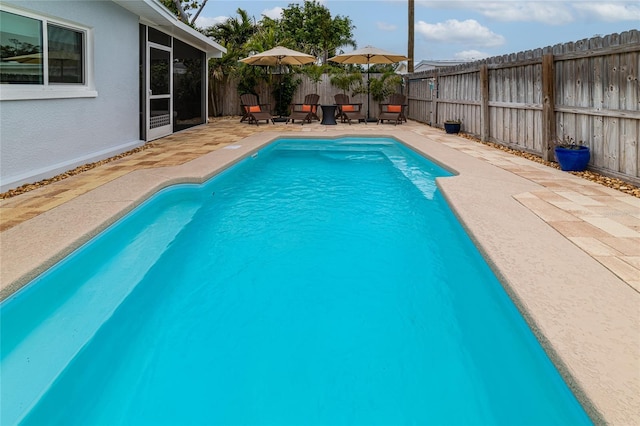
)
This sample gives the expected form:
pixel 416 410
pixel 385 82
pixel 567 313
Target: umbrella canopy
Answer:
pixel 279 55
pixel 368 55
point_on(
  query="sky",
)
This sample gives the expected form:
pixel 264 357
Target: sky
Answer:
pixel 457 29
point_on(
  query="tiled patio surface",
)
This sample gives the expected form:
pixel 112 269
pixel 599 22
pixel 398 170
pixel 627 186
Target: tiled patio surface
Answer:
pixel 603 222
pixel 586 316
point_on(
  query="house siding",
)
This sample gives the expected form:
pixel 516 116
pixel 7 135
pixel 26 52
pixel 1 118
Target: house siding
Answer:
pixel 44 137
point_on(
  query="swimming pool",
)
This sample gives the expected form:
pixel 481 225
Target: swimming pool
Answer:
pixel 348 316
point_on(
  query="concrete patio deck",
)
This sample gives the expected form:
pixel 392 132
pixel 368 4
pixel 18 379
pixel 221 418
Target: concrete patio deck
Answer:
pixel 529 220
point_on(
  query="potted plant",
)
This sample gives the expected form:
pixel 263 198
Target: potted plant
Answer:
pixel 452 126
pixel 572 155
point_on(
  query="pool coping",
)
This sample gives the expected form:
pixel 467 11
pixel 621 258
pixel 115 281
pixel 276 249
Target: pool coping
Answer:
pixel 585 317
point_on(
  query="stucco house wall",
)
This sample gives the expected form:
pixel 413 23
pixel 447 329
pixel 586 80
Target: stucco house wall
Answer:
pixel 41 138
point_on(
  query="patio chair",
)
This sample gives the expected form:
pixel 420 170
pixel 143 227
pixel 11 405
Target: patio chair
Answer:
pixel 300 112
pixel 253 111
pixel 340 99
pixel 399 99
pixel 393 109
pixel 313 99
pixel 306 111
pixel 352 112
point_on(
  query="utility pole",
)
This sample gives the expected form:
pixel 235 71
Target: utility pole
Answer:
pixel 410 35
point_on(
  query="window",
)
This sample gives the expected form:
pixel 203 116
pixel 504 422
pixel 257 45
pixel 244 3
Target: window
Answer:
pixel 65 55
pixel 42 58
pixel 20 49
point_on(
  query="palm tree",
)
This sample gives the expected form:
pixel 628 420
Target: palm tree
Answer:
pixel 234 32
pixel 345 80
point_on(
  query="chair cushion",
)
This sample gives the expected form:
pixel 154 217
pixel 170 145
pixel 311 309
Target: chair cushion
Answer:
pixel 348 108
pixel 306 108
pixel 254 108
pixel 394 108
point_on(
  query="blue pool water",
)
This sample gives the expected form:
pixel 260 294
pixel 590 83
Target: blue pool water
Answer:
pixel 320 282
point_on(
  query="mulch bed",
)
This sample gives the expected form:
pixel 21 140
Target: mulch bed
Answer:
pixel 31 186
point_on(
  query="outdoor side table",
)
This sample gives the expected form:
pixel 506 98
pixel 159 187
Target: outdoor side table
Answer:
pixel 328 114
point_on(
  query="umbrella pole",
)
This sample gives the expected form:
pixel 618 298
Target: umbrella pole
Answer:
pixel 368 92
pixel 280 79
pixel 280 95
pixel 279 68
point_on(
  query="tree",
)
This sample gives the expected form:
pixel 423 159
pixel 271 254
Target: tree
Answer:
pixel 234 34
pixel 345 80
pixel 315 72
pixel 283 92
pixel 313 30
pixel 380 88
pixel 181 8
pixel 387 84
pixel 309 28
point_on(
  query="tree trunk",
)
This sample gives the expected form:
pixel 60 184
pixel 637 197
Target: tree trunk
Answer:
pixel 410 36
pixel 193 21
pixel 183 15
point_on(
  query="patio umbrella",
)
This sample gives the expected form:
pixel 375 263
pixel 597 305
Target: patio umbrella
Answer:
pixel 277 56
pixel 368 55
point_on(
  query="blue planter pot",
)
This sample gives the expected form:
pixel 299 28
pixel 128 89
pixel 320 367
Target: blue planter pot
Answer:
pixel 573 160
pixel 452 127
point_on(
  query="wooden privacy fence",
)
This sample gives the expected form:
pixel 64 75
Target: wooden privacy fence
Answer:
pixel 227 99
pixel 587 90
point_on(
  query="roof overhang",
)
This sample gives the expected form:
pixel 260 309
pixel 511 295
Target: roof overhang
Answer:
pixel 156 15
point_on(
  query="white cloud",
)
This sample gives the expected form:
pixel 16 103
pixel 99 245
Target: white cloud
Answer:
pixel 556 13
pixel 275 13
pixel 610 12
pixel 546 12
pixel 383 26
pixel 469 55
pixel 468 32
pixel 206 22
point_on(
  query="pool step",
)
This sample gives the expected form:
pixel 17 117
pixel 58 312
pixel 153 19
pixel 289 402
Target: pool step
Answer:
pixel 79 316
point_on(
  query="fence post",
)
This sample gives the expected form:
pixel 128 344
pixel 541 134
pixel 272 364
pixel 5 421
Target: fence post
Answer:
pixel 434 104
pixel 548 107
pixel 484 103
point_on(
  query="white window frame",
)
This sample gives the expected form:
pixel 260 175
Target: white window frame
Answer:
pixel 48 90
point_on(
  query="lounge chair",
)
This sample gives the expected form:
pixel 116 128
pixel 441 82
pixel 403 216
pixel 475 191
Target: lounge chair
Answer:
pixel 247 100
pixel 306 111
pixel 253 112
pixel 313 99
pixel 352 112
pixel 300 112
pixel 399 99
pixel 341 99
pixel 393 109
